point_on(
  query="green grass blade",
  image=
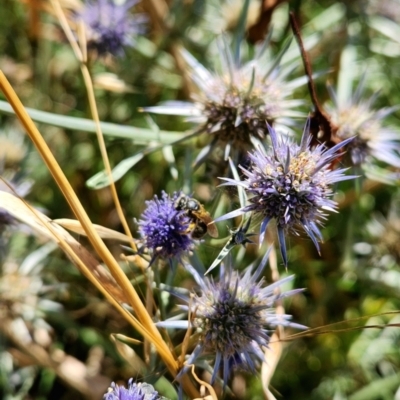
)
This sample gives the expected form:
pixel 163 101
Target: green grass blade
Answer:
pixel 137 135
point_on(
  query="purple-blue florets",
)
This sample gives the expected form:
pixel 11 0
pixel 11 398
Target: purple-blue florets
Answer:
pixel 290 184
pixel 164 229
pixel 13 187
pixel 111 26
pixel 135 391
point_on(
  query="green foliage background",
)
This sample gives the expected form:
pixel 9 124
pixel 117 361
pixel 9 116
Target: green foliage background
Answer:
pixel 357 275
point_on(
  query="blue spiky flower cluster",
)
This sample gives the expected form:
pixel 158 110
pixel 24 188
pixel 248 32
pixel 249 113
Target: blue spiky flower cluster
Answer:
pixel 290 184
pixel 233 105
pixel 164 229
pixel 134 391
pixel 234 316
pixel 111 26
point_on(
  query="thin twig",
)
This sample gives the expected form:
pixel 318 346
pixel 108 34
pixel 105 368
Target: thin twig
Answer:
pixel 81 55
pixel 321 126
pixel 257 32
pixel 93 107
pixel 67 30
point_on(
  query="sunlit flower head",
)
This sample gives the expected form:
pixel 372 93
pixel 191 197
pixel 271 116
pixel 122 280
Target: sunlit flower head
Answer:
pixel 111 26
pixel 233 104
pixel 355 117
pixel 290 184
pixel 234 317
pixel 165 230
pixel 134 391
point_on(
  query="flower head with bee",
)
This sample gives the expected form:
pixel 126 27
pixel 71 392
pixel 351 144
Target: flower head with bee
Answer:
pixel 290 184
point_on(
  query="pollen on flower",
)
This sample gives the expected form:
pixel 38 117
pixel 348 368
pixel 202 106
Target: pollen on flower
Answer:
pixel 290 184
pixel 268 170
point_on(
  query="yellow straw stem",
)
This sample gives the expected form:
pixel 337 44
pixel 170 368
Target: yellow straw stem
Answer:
pixel 93 108
pixel 81 55
pixel 92 235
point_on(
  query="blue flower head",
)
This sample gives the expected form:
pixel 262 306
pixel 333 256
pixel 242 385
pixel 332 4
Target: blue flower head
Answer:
pixel 234 316
pixel 290 184
pixel 164 229
pixel 135 391
pixel 111 26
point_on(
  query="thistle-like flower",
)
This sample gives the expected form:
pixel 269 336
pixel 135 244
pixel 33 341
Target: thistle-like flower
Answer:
pixel 165 230
pixel 135 391
pixel 290 184
pixel 111 26
pixel 356 118
pixel 233 105
pixel 233 317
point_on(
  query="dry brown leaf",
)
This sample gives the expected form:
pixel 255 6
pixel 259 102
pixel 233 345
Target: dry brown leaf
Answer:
pixel 38 221
pixel 74 225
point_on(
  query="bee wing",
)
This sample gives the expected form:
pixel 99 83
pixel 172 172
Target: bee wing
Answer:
pixel 205 217
pixel 212 229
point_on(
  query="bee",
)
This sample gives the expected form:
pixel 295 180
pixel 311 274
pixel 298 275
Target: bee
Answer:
pixel 200 218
